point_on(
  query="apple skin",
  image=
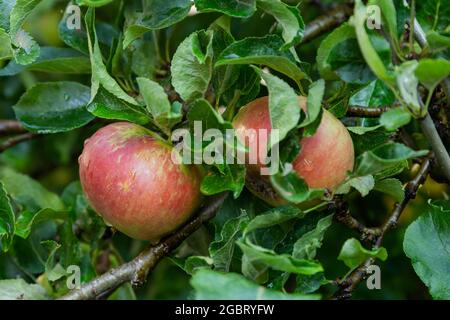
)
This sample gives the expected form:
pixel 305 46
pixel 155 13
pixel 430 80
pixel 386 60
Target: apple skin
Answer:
pixel 324 159
pixel 129 178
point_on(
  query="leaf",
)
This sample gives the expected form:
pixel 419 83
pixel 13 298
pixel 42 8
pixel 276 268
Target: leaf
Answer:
pixel 54 60
pixel 387 8
pixel 274 217
pixel 7 220
pixel 364 184
pixel 25 48
pixel 156 14
pixel 28 192
pixel 281 262
pixel 28 219
pixel 93 3
pixel 407 83
pixel 192 68
pixel 20 12
pixel 210 284
pixel 337 36
pixel 370 54
pixel 234 8
pixel 385 156
pixel 353 254
pixel 391 187
pixel 158 103
pixel 395 118
pixel 107 106
pixel 363 130
pixel 283 107
pixel 18 289
pixel 293 188
pixel 54 271
pixel 288 18
pixel 51 107
pixel 266 51
pixel 431 72
pixel 375 94
pixel 306 246
pixel 222 249
pixel 427 244
pixel 232 179
pixel 314 104
pixel 6 7
pixel 100 75
pixel 5 46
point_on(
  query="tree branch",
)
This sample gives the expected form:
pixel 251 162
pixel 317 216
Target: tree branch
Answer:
pixel 362 112
pixel 10 142
pixel 327 22
pixel 136 271
pixel 351 282
pixel 8 127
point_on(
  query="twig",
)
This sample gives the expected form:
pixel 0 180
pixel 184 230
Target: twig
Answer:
pixel 137 270
pixel 10 142
pixel 351 282
pixel 362 112
pixel 327 22
pixel 8 127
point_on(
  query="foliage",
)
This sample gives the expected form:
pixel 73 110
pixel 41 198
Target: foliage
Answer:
pixel 164 65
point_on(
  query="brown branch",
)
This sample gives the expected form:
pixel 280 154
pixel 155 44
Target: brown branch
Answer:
pixel 325 23
pixel 8 127
pixel 351 282
pixel 362 112
pixel 10 142
pixel 136 271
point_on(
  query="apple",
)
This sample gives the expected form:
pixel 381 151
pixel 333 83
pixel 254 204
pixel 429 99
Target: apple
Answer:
pixel 130 179
pixel 324 159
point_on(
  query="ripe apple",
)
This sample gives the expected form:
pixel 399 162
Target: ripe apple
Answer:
pixel 130 179
pixel 324 159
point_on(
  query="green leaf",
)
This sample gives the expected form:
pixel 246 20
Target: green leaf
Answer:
pixel 314 104
pixel 202 111
pixel 427 244
pixel 6 7
pixel 5 46
pixel 100 75
pixel 370 54
pixel 274 217
pixel 337 36
pixel 363 130
pixel 232 178
pixel 391 187
pixel 288 18
pixel 385 156
pixel 158 103
pixel 293 188
pixel 387 8
pixel 407 83
pixel 51 107
pixel 54 60
pixel 191 67
pixel 266 51
pixel 107 106
pixel 93 3
pixel 7 220
pixel 27 192
pixel 210 284
pixel 25 48
pixel 156 14
pixel 283 106
pixel 28 219
pixel 394 119
pixel 431 72
pixel 364 184
pixel 20 12
pixel 306 246
pixel 18 289
pixel 222 249
pixel 281 262
pixel 53 270
pixel 234 8
pixel 353 254
pixel 375 94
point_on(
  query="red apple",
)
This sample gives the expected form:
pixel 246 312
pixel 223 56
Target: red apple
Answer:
pixel 129 178
pixel 324 159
